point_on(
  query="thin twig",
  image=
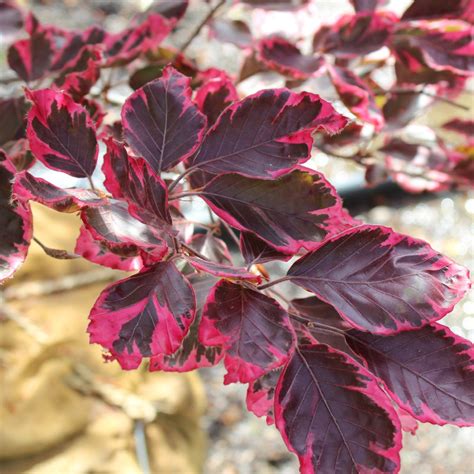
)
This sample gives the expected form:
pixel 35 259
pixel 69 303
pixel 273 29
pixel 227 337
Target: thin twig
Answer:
pixel 183 195
pixel 274 282
pixel 141 448
pixel 198 29
pixel 193 251
pixel 185 173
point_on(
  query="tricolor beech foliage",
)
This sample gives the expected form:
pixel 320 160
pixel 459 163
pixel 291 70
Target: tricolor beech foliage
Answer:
pixel 339 372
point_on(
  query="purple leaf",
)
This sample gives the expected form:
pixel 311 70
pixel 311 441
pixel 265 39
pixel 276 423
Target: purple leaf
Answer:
pixel 445 48
pixel 31 58
pixel 401 108
pixel 132 179
pixel 97 252
pixel 275 4
pixel 380 281
pixel 333 416
pixel 143 315
pixel 123 47
pixel 428 372
pixel 280 55
pixel 214 96
pixel 356 96
pixel 367 5
pixel 266 134
pixel 359 34
pixel 161 123
pixel 61 133
pixel 192 354
pixel 81 74
pixel 221 270
pixel 253 329
pixel 12 119
pixel 432 9
pixel 170 9
pixel 211 247
pixel 288 213
pixel 27 187
pixel 16 227
pixel 255 250
pixel 75 43
pixel 236 32
pixel 113 225
pixel 261 394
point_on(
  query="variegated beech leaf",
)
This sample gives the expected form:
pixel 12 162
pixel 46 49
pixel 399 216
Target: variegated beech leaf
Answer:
pixel 125 46
pixel 280 55
pixel 288 213
pixel 359 34
pixel 132 179
pixel 266 134
pixel 15 224
pixel 161 123
pixel 433 9
pixel 333 416
pixel 112 224
pixel 61 133
pixel 380 281
pixel 192 354
pixel 81 74
pixel 253 329
pixel 356 96
pixel 31 58
pixel 97 252
pixel 215 95
pixel 236 32
pixel 144 315
pixel 27 187
pixel 445 48
pixel 429 372
pixel 261 393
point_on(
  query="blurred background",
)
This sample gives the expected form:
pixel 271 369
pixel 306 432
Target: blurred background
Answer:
pixel 63 410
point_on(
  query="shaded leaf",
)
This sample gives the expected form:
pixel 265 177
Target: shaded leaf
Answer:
pixel 131 179
pixel 255 250
pixel 288 213
pixel 236 32
pixel 280 55
pixel 275 4
pixel 12 119
pixel 171 9
pixel 28 187
pixel 252 328
pixel 161 123
pixel 113 225
pixel 462 126
pixel 266 134
pixel 143 315
pixel 11 17
pixel 401 108
pixel 429 372
pixel 359 34
pixel 211 247
pixel 380 281
pixel 333 416
pixel 367 5
pixel 61 133
pixel 98 252
pixel 222 270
